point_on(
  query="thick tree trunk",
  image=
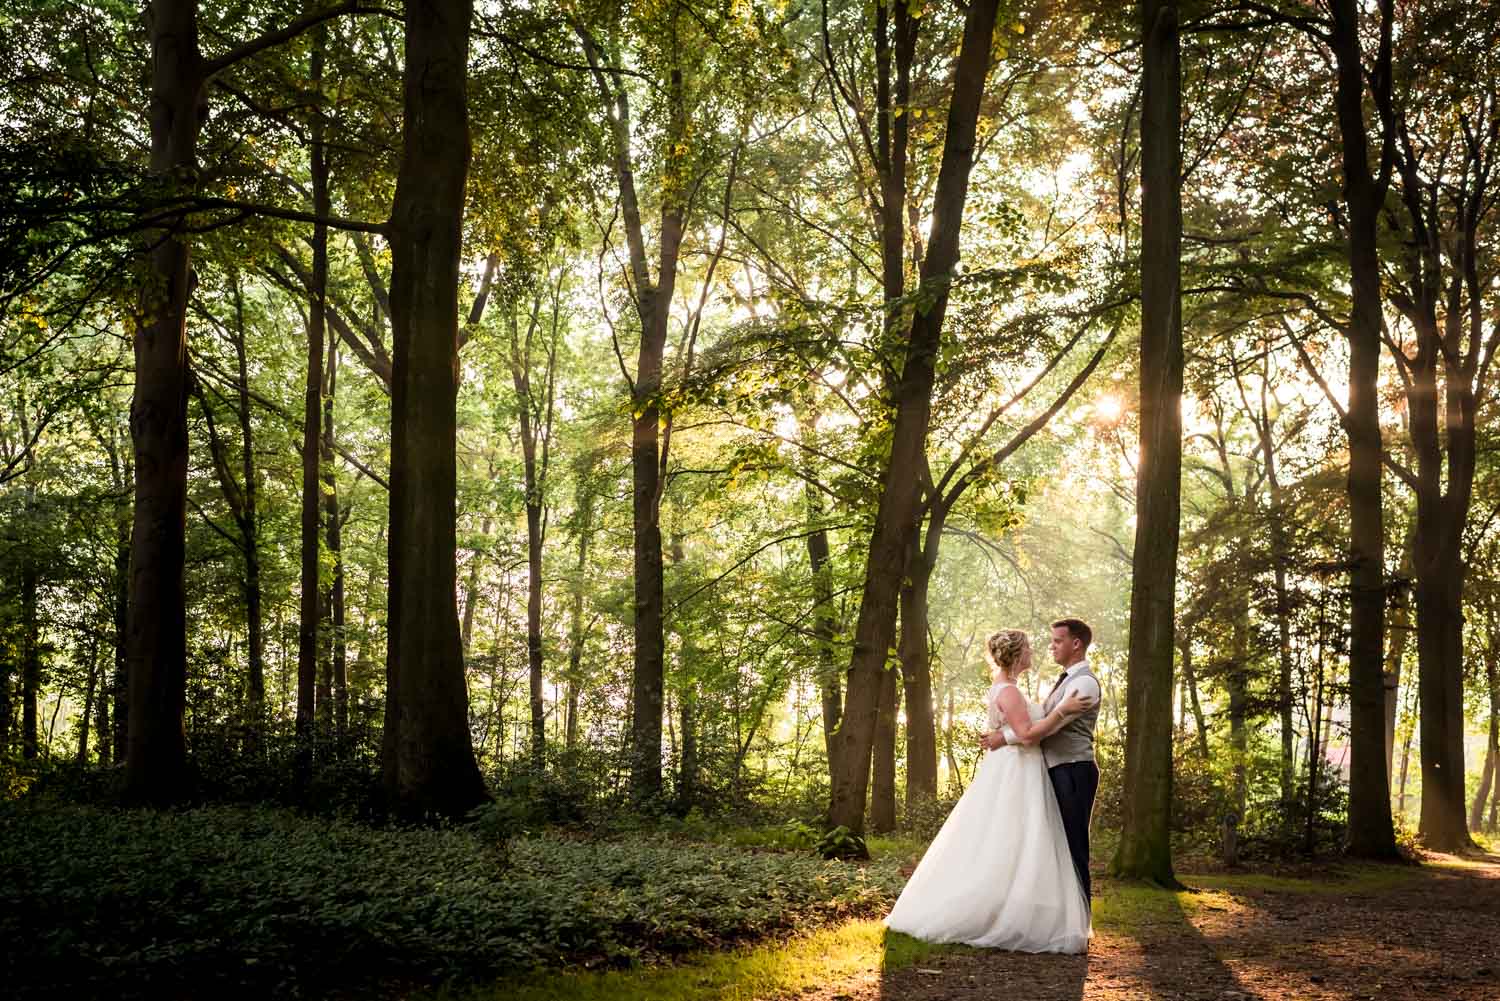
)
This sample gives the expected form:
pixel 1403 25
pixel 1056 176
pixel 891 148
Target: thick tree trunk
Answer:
pixel 156 765
pixel 1439 600
pixel 121 480
pixel 916 677
pixel 883 784
pixel 1145 850
pixel 310 687
pixel 894 521
pixel 428 758
pixel 1486 779
pixel 1371 832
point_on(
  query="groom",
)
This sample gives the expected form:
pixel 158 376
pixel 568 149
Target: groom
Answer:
pixel 1069 752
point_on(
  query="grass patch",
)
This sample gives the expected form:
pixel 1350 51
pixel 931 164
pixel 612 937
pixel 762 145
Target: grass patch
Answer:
pixel 757 973
pixel 1353 878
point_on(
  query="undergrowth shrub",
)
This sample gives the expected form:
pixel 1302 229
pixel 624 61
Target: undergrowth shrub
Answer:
pixel 249 902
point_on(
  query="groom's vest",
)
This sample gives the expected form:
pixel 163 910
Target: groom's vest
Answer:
pixel 1074 742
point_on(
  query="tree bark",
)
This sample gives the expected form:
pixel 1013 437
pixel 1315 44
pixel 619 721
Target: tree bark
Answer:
pixel 895 517
pixel 249 524
pixel 428 758
pixel 1238 684
pixel 334 524
pixel 824 627
pixel 1145 850
pixel 120 481
pixel 577 634
pixel 31 662
pixel 916 673
pixel 309 682
pixel 1371 832
pixel 653 300
pixel 883 784
pixel 85 718
pixel 156 765
pixel 1190 687
pixel 1398 633
pixel 535 417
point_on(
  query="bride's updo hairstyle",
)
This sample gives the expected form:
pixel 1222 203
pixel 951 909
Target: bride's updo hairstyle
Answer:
pixel 1003 651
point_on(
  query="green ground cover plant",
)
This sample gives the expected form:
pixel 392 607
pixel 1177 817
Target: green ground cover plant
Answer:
pixel 246 900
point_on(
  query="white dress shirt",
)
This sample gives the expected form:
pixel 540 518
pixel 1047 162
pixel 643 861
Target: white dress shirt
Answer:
pixel 1076 678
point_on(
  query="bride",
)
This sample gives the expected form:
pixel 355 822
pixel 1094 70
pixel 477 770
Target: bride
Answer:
pixel 999 874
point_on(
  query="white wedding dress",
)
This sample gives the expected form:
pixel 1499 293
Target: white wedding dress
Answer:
pixel 999 874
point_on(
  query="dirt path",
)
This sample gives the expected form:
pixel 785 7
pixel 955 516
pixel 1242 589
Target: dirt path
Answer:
pixel 1422 934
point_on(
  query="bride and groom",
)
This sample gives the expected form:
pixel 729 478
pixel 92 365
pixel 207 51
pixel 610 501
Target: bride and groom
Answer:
pixel 1010 868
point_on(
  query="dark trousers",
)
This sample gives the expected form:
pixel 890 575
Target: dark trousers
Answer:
pixel 1076 784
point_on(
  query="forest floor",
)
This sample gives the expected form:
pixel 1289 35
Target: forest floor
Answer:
pixel 1397 932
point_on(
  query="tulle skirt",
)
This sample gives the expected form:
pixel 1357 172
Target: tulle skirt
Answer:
pixel 999 874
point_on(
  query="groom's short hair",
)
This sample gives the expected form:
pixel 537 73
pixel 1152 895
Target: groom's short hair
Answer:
pixel 1078 629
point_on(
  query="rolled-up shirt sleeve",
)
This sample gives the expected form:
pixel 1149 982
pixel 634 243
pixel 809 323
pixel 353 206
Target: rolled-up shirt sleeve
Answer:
pixel 1087 686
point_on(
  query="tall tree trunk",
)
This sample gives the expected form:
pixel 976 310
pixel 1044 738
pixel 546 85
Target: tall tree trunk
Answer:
pixel 1398 632
pixel 1371 832
pixel 896 515
pixel 86 717
pixel 103 736
pixel 916 673
pixel 308 681
pixel 471 585
pixel 333 522
pixel 121 482
pixel 653 301
pixel 1145 850
pixel 1190 689
pixel 156 765
pixel 535 417
pixel 31 662
pixel 1238 683
pixel 1405 763
pixel 883 784
pixel 428 759
pixel 1280 559
pixel 1492 675
pixel 535 528
pixel 577 636
pixel 687 767
pixel 249 523
pixel 824 628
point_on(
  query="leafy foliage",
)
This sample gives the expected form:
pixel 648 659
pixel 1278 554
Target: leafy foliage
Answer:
pixel 140 904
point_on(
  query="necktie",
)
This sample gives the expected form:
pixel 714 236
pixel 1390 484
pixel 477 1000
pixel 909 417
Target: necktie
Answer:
pixel 1058 683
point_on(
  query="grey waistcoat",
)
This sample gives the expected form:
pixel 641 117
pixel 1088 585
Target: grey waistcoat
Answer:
pixel 1074 742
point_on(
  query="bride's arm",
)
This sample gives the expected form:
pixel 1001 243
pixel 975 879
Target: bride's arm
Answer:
pixel 1019 718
